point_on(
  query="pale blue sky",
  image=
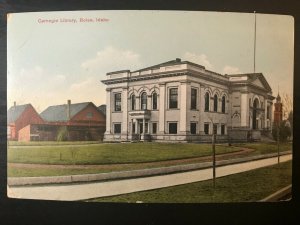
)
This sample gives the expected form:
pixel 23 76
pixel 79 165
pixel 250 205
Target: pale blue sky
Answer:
pixel 49 63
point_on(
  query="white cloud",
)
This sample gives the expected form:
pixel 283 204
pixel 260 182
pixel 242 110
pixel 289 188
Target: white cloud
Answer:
pixel 231 70
pixel 111 59
pixel 83 85
pixel 59 78
pixel 199 59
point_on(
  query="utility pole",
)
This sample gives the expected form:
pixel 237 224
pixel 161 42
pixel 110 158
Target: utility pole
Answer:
pixel 278 155
pixel 214 157
pixel 254 42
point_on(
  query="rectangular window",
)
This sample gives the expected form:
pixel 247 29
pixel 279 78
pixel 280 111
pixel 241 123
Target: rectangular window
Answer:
pixel 215 128
pixel 117 128
pixel 146 128
pixel 173 98
pixel 154 101
pixel 206 128
pixel 172 128
pixel 193 128
pixel 133 128
pixel 89 115
pixel 118 102
pixel 268 112
pixel 154 128
pixel 193 98
pixel 222 129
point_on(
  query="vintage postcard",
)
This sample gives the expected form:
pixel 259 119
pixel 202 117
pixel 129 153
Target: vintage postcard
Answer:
pixel 150 106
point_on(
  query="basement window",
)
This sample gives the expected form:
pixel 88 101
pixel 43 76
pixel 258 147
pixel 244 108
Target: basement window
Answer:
pixel 172 128
pixel 117 128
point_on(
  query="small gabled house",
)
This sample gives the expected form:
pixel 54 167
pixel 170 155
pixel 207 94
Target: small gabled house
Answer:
pixel 83 121
pixel 20 116
pixel 102 108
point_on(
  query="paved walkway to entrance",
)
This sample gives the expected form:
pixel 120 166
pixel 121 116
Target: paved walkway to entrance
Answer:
pixel 71 192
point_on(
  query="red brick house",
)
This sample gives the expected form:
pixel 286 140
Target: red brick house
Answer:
pixel 83 121
pixel 20 116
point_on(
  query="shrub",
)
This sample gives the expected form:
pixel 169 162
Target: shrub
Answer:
pixel 62 134
pixel 284 131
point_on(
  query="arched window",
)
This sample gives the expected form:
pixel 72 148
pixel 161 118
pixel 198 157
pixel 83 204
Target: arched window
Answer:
pixel 223 104
pixel 144 101
pixel 206 108
pixel 215 103
pixel 254 114
pixel 154 101
pixel 132 102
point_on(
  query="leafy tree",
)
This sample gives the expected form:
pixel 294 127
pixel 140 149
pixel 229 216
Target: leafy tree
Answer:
pixel 284 131
pixel 62 134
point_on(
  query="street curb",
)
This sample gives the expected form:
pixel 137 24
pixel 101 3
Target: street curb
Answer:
pixel 22 181
pixel 278 194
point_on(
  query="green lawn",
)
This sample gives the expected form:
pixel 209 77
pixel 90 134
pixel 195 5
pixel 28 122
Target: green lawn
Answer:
pixel 244 187
pixel 111 153
pixel 38 172
pixel 264 148
pixel 51 143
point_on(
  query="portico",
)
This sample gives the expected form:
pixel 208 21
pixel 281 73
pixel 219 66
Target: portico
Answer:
pixel 139 129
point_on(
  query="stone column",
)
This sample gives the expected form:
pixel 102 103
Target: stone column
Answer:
pixel 143 126
pixel 244 109
pixel 136 126
pixel 271 116
pixel 149 102
pixel 124 100
pixel 184 85
pixel 162 108
pixel 108 111
pixel 266 111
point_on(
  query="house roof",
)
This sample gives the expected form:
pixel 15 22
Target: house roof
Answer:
pixel 102 108
pixel 59 113
pixel 15 112
pixel 169 63
pixel 252 77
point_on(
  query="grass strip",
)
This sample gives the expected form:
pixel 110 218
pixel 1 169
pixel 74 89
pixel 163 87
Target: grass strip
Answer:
pixel 244 187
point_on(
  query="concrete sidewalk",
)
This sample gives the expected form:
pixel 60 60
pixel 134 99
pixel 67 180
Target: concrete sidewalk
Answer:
pixel 21 181
pixel 71 192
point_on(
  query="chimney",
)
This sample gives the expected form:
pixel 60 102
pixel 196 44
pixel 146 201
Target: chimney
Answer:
pixel 69 110
pixel 15 104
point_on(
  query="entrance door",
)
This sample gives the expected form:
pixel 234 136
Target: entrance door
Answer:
pixel 255 106
pixel 141 128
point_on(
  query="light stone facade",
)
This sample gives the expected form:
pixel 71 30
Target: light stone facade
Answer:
pixel 182 101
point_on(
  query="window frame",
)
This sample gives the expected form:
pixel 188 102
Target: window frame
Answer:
pixel 215 131
pixel 223 108
pixel 194 123
pixel 171 95
pixel 154 102
pixel 194 98
pixel 206 102
pixel 152 131
pixel 118 107
pixel 206 125
pixel 215 103
pixel 144 99
pixel 114 126
pixel 223 127
pixel 173 123
pixel 133 102
pixel 89 115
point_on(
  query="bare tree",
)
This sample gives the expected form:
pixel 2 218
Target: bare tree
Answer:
pixel 287 105
pixel 213 121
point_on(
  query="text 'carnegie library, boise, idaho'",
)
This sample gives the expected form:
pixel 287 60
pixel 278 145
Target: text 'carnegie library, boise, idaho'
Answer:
pixel 72 20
